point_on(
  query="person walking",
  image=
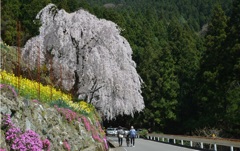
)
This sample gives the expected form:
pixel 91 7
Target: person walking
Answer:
pixel 132 133
pixel 120 134
pixel 127 139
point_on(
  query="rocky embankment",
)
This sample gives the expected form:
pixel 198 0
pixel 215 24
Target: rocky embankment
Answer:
pixel 48 123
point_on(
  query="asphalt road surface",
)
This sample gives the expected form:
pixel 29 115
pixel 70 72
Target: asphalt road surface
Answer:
pixel 146 145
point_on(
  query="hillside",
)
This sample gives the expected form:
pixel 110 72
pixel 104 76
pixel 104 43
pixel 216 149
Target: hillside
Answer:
pixel 35 125
pixel 186 53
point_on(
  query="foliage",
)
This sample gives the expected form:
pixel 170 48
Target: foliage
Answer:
pixel 60 104
pixel 29 89
pixel 143 133
pixel 218 89
pixel 208 132
pixel 29 140
pixel 66 107
pixel 205 68
pixel 9 87
pixel 32 89
pixel 191 79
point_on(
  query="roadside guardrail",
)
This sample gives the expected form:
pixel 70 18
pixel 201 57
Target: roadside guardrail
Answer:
pixel 216 144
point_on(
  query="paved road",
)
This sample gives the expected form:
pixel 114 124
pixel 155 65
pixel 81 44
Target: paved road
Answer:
pixel 146 145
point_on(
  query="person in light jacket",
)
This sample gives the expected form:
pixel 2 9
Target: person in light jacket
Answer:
pixel 120 134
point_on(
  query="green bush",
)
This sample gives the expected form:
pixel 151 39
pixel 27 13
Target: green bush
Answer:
pixel 143 133
pixel 60 104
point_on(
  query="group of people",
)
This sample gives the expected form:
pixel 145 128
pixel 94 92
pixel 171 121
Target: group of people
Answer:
pixel 130 136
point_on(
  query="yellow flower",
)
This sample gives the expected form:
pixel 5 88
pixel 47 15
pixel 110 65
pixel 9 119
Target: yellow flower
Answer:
pixel 32 89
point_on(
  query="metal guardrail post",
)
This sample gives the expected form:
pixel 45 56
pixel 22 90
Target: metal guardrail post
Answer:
pixel 191 143
pixel 215 147
pixel 202 145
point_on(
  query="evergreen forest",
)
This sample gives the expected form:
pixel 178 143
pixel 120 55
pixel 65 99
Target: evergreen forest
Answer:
pixel 187 53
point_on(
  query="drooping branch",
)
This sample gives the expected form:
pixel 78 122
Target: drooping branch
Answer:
pixel 97 61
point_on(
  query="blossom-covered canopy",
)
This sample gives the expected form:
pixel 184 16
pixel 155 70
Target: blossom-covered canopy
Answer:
pixel 93 57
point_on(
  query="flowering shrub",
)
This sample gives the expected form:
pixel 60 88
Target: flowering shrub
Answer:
pixel 12 133
pixel 35 101
pixel 79 119
pixel 21 141
pixel 67 113
pixel 85 106
pixel 98 125
pixel 96 136
pixel 46 144
pixel 86 123
pixel 81 107
pixel 27 141
pixel 105 143
pixel 30 140
pixel 66 145
pixel 7 120
pixel 30 89
pixel 9 87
